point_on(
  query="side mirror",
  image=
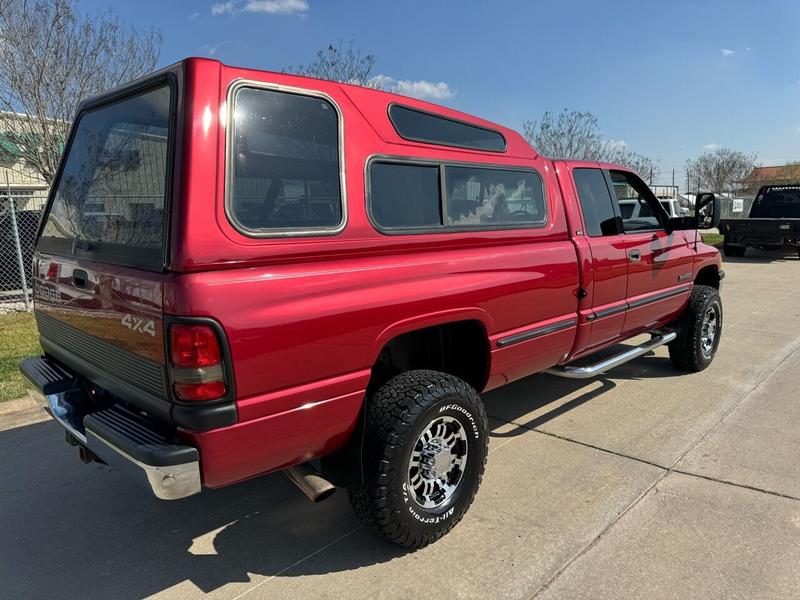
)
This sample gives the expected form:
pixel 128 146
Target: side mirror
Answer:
pixel 681 224
pixel 706 210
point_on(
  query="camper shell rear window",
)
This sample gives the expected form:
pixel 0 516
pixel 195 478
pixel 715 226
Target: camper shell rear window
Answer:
pixel 110 199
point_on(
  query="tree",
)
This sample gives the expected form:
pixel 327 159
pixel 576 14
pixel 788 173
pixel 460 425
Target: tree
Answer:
pixel 575 134
pixel 51 58
pixel 340 62
pixel 720 171
pixel 790 173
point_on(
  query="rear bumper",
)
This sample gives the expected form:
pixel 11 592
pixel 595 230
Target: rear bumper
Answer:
pixel 118 436
pixel 749 239
pixel 174 463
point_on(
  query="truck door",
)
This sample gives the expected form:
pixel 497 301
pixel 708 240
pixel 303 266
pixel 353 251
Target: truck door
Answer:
pixel 659 264
pixel 608 246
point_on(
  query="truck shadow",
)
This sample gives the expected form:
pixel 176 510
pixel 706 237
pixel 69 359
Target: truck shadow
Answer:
pixel 86 531
pixel 525 402
pixel 755 256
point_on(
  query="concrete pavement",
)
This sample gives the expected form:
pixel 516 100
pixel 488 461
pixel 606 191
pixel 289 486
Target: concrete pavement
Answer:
pixel 644 483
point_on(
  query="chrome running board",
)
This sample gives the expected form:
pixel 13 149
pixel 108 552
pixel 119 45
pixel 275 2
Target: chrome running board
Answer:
pixel 613 361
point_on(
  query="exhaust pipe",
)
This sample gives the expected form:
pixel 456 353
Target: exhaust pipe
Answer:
pixel 310 482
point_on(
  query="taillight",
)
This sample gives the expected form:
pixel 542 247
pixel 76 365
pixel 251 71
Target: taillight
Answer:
pixel 196 357
pixel 194 346
pixel 200 391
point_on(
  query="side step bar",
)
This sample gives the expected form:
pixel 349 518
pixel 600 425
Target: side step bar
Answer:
pixel 613 361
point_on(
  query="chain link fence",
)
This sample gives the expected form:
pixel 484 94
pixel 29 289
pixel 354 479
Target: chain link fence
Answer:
pixel 20 211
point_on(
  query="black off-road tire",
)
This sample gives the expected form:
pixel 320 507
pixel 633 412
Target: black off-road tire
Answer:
pixel 396 415
pixel 687 351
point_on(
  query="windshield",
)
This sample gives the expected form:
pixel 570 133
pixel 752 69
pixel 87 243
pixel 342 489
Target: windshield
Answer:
pixel 109 202
pixel 777 203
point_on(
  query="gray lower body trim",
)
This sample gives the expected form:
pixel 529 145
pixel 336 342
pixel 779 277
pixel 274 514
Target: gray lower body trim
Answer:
pixel 659 296
pixel 614 310
pixel 535 332
pixel 607 312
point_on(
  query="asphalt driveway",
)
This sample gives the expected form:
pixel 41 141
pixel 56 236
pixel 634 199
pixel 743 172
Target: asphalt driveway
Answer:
pixel 645 483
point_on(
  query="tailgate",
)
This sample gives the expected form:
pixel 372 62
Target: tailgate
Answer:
pixel 105 324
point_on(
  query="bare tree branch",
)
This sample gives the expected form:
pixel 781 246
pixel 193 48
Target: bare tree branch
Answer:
pixel 51 58
pixel 721 171
pixel 341 61
pixel 577 135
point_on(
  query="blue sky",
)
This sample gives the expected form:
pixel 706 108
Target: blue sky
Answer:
pixel 670 79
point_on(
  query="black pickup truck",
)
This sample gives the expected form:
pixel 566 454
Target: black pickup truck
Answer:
pixel 774 222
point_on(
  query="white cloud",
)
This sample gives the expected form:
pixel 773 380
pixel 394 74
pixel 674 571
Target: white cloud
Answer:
pixel 222 8
pixel 617 144
pixel 712 146
pixel 797 127
pixel 271 7
pixel 193 16
pixel 748 49
pixel 424 90
pixel 726 53
pixel 213 50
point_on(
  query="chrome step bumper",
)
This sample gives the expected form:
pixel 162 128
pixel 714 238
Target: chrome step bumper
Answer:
pixel 613 361
pixel 120 437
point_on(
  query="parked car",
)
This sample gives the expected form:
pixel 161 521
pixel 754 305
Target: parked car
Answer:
pixel 773 223
pixel 333 272
pixel 636 209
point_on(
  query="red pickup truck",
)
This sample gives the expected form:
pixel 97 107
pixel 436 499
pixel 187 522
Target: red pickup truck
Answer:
pixel 240 272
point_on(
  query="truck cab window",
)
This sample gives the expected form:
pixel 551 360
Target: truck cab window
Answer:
pixel 596 203
pixel 640 209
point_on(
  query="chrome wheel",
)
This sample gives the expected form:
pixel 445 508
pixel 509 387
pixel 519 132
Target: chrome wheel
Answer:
pixel 708 333
pixel 437 463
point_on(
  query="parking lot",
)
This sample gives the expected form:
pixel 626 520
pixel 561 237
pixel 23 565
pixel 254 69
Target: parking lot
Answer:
pixel 644 483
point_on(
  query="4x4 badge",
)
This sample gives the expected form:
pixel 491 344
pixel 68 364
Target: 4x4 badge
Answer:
pixel 147 326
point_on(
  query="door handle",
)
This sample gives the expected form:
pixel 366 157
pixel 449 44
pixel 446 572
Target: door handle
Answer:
pixel 79 278
pixel 635 256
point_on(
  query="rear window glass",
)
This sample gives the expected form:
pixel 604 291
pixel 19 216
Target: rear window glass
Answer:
pixel 493 197
pixel 405 196
pixel 421 126
pixel 776 203
pixel 284 163
pixel 110 201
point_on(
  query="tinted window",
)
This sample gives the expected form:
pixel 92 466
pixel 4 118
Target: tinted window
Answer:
pixel 596 202
pixel 777 202
pixel 424 127
pixel 493 197
pixel 109 201
pixel 284 162
pixel 405 196
pixel 637 203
